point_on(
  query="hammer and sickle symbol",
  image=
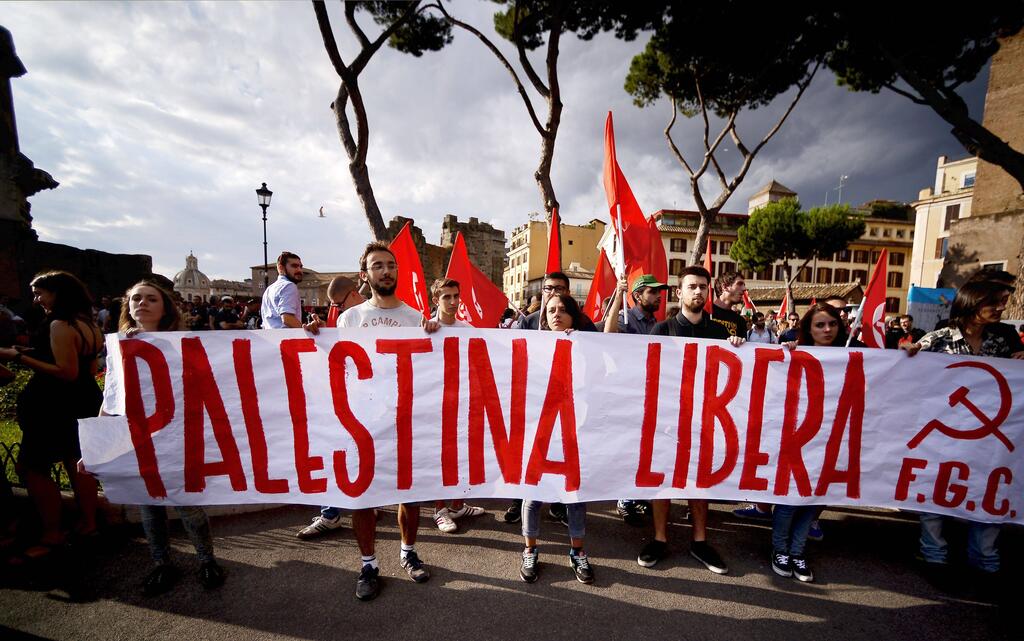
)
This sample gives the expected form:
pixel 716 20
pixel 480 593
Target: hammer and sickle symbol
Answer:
pixel 989 425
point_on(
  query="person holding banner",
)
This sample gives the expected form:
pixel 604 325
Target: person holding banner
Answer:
pixel 379 269
pixel 150 308
pixel 729 290
pixel 692 322
pixel 561 314
pixel 976 311
pixel 63 389
pixel 445 294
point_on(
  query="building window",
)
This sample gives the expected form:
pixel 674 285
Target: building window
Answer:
pixel 714 247
pixel 672 298
pixel 873 231
pixel 570 243
pixel 968 180
pixel 824 276
pixel 804 276
pixel 892 305
pixel 842 276
pixel 860 276
pixel 764 274
pixel 678 244
pixel 994 267
pixel 886 232
pixel 894 280
pixel 874 257
pixel 952 213
pixel 724 247
pixel 676 266
pixel 843 256
pixel 726 266
pixel 941 247
pixel 860 256
pixel 896 258
pixel 780 272
pixel 899 233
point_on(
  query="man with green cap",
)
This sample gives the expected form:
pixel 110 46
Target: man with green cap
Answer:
pixel 639 319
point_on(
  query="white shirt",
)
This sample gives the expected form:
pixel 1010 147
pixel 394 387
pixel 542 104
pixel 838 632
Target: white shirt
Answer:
pixel 282 297
pixel 455 323
pixel 369 315
pixel 760 336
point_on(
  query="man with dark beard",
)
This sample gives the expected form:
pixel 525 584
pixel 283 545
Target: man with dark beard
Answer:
pixel 379 269
pixel 281 304
pixel 692 322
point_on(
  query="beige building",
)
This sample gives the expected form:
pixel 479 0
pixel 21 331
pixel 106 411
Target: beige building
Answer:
pixel 528 253
pixel 937 208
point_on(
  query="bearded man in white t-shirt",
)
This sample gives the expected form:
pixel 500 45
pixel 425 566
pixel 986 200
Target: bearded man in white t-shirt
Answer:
pixel 379 269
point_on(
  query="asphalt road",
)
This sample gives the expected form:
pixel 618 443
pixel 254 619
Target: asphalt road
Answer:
pixel 868 586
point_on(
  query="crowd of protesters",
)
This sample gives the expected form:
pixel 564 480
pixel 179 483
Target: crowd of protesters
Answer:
pixel 62 352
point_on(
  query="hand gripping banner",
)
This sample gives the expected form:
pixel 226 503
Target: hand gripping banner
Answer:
pixel 359 417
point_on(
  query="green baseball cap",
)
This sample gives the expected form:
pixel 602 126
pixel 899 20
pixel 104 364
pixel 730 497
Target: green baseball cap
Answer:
pixel 647 280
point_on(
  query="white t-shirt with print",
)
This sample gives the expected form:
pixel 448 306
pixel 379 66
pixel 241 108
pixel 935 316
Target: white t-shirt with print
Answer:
pixel 455 323
pixel 369 315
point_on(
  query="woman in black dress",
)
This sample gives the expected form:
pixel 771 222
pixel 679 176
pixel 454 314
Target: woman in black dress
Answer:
pixel 62 389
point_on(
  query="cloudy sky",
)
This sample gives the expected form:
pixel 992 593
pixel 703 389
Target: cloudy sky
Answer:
pixel 161 119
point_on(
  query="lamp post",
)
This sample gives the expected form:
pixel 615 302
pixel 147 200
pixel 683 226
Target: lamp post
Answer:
pixel 263 196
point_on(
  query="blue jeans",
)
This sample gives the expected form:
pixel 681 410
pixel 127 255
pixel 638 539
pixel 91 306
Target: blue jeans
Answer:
pixel 576 512
pixel 195 521
pixel 330 513
pixel 790 525
pixel 981 542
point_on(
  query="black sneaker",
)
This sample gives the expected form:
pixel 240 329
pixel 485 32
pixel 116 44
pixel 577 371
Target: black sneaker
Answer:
pixel 651 553
pixel 211 575
pixel 580 565
pixel 801 572
pixel 558 512
pixel 706 554
pixel 368 584
pixel 528 570
pixel 160 580
pixel 514 513
pixel 414 567
pixel 632 513
pixel 781 564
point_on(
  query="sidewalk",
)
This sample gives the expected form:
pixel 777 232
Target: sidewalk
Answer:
pixel 868 586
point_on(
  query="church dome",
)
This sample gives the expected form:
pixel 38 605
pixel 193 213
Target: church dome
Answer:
pixel 191 277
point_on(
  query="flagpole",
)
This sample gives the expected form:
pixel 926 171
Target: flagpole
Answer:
pixel 622 261
pixel 856 322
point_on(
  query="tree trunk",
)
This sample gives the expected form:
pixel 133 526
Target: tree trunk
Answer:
pixel 357 166
pixel 543 173
pixel 707 216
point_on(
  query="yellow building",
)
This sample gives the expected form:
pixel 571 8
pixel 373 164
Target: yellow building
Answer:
pixel 528 254
pixel 937 208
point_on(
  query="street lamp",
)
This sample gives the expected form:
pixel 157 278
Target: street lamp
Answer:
pixel 263 196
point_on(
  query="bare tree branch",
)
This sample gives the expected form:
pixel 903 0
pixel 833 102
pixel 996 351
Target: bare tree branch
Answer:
pixel 906 94
pixel 367 52
pixel 330 44
pixel 350 17
pixel 672 143
pixel 531 73
pixel 504 61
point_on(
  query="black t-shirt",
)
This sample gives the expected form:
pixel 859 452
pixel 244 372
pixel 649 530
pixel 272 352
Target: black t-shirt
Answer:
pixel 225 315
pixel 681 326
pixel 730 320
pixel 1008 334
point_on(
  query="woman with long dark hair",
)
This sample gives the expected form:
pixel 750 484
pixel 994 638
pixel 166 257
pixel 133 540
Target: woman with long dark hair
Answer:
pixel 63 389
pixel 973 317
pixel 148 307
pixel 561 314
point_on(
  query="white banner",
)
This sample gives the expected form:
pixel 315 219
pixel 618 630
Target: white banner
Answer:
pixel 360 417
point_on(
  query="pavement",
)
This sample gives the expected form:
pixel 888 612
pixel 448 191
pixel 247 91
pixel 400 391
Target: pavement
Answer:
pixel 867 586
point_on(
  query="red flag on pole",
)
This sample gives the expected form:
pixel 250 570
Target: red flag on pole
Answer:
pixel 783 307
pixel 601 287
pixel 482 303
pixel 748 304
pixel 871 316
pixel 554 244
pixel 629 222
pixel 658 264
pixel 708 265
pixel 411 288
pixel 814 301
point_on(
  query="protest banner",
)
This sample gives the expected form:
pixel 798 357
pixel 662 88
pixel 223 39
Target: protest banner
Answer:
pixel 360 417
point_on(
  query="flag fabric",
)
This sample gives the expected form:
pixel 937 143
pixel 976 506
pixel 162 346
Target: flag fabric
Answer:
pixel 783 307
pixel 411 288
pixel 658 264
pixel 748 305
pixel 708 265
pixel 554 244
pixel 628 220
pixel 601 287
pixel 871 316
pixel 814 301
pixel 481 302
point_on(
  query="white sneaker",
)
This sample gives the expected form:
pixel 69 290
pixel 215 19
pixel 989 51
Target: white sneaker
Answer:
pixel 319 526
pixel 444 521
pixel 466 510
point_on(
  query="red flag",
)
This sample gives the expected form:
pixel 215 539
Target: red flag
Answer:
pixel 601 287
pixel 482 303
pixel 749 304
pixel 783 307
pixel 709 306
pixel 412 287
pixel 814 301
pixel 633 237
pixel 658 264
pixel 554 244
pixel 872 314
